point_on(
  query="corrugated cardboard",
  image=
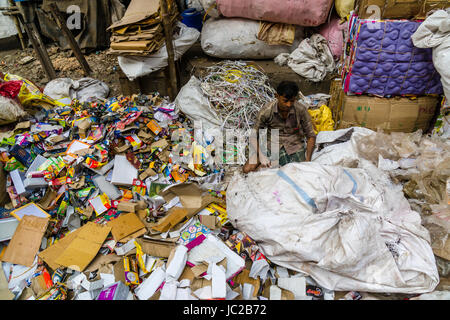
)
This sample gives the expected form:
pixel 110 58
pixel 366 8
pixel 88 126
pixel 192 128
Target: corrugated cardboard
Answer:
pixel 26 241
pixel 137 11
pixel 244 277
pixel 84 247
pixel 127 206
pixel 173 217
pixel 156 248
pixel 5 293
pixel 50 254
pixel 390 114
pixel 400 9
pixel 125 225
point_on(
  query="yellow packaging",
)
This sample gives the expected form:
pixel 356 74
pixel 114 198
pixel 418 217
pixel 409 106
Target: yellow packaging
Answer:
pixel 154 126
pixel 131 276
pixel 322 119
pixel 140 258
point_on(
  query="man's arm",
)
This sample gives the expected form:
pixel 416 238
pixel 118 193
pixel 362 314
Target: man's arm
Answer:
pixel 255 156
pixel 310 144
pixel 308 129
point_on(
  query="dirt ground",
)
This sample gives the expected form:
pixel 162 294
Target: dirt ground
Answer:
pixel 25 63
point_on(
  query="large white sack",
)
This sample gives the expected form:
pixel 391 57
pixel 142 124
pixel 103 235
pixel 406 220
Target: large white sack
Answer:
pixel 349 229
pixel 335 152
pixel 137 66
pixel 84 89
pixel 61 88
pixel 195 105
pixel 434 33
pixel 312 59
pixel 236 38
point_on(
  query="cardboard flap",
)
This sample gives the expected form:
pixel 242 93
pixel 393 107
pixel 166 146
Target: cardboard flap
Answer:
pixel 137 11
pixel 156 248
pixel 26 241
pixel 125 225
pixel 82 248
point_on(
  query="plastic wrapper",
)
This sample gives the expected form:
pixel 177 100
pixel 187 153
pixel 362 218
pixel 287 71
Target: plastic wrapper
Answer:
pixel 322 119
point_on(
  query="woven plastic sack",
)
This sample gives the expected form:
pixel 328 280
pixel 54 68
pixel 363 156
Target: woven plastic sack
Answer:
pixel 307 13
pixel 348 229
pixel 334 33
pixel 236 38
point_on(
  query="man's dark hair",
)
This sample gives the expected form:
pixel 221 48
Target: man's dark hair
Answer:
pixel 288 89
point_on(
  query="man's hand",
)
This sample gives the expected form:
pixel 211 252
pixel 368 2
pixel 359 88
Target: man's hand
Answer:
pixel 311 143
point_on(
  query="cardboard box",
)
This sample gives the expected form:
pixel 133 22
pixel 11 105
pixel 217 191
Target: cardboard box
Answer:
pixel 390 114
pixel 399 9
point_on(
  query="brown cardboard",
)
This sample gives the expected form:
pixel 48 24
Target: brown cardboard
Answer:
pixel 101 260
pixel 50 254
pixel 400 9
pixel 173 217
pixel 26 241
pixel 134 235
pixel 137 11
pixel 244 277
pixel 187 274
pixel 199 269
pixel 5 293
pixel 156 248
pixel 390 114
pixel 83 249
pixel 209 221
pixel 38 285
pixel 160 144
pixel 119 271
pixel 122 149
pixel 125 225
pixel 127 206
pixel 200 283
pixel 147 173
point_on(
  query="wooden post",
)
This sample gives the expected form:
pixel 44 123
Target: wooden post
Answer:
pixel 25 18
pixel 19 29
pixel 69 36
pixel 173 88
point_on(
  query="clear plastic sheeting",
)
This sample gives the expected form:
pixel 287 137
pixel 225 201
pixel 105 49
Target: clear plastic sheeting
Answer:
pixel 349 229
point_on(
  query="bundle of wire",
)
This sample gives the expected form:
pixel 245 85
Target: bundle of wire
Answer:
pixel 236 92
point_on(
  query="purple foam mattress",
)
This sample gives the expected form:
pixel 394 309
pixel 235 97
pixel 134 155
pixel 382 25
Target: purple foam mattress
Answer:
pixel 385 62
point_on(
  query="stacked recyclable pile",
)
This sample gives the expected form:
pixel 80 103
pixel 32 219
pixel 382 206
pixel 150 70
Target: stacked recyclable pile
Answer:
pixel 140 31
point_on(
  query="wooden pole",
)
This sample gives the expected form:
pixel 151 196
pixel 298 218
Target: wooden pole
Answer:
pixel 69 36
pixel 19 29
pixel 173 88
pixel 26 18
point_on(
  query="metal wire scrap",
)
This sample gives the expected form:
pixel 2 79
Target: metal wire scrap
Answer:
pixel 236 92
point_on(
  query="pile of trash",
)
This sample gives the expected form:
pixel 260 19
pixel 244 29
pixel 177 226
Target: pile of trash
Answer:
pixel 119 198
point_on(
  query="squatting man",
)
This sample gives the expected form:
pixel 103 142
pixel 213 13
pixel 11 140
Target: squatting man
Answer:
pixel 289 118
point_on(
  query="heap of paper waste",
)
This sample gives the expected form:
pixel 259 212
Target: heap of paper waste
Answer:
pixel 120 198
